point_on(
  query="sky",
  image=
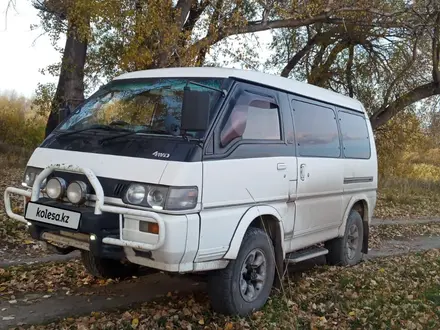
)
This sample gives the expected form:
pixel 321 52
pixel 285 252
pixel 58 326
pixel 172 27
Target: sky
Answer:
pixel 23 52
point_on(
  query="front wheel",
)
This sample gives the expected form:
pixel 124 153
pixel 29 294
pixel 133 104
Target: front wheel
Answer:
pixel 107 268
pixel 245 284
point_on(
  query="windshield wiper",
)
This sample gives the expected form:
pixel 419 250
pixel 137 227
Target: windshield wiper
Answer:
pixel 92 127
pixel 142 131
pixel 222 91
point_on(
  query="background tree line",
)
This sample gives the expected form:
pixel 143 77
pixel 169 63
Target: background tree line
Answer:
pixel 386 53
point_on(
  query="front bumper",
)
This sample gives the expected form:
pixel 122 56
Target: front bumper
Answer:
pixel 113 235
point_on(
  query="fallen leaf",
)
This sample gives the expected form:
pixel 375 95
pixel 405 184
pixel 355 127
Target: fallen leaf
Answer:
pixel 229 326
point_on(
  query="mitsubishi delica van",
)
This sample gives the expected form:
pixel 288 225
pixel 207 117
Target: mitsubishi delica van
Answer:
pixel 232 174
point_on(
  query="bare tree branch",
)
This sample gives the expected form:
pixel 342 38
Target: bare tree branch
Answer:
pixel 388 20
pixel 318 38
pixel 436 50
pixel 194 14
pixel 419 93
pixel 184 6
pixel 12 4
pixel 349 72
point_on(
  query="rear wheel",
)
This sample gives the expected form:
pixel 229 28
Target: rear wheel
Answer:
pixel 107 268
pixel 347 250
pixel 245 284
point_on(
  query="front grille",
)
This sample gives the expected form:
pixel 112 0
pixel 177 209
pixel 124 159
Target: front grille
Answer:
pixel 119 189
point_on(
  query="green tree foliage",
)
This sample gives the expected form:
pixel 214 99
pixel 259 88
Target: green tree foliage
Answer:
pixel 400 137
pixel 388 66
pixel 126 35
pixel 20 121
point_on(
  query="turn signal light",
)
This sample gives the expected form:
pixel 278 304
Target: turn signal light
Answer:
pixel 149 227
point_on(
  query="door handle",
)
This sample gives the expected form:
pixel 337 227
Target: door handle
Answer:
pixel 281 166
pixel 302 172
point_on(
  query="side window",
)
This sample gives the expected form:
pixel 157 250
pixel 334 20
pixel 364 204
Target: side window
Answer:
pixel 252 118
pixel 316 130
pixel 355 137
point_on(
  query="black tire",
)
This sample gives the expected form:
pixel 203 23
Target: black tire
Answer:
pixel 339 253
pixel 107 268
pixel 224 285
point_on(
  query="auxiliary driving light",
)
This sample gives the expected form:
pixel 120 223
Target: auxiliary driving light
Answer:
pixel 56 187
pixel 93 237
pixel 77 192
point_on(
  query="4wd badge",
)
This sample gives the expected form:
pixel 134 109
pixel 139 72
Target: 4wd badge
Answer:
pixel 161 154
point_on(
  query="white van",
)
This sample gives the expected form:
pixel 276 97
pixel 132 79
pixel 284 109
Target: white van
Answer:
pixel 229 173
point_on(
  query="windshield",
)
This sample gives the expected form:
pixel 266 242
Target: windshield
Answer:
pixel 147 105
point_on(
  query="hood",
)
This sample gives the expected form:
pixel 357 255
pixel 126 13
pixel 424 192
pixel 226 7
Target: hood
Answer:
pixel 108 166
pixel 155 147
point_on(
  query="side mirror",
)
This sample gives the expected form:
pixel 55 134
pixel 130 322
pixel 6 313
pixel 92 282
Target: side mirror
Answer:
pixel 195 111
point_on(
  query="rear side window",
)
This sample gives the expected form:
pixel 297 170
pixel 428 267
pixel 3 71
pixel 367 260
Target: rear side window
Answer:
pixel 355 138
pixel 316 130
pixel 252 118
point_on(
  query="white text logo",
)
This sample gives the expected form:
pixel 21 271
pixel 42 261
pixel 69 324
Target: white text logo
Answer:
pixel 161 154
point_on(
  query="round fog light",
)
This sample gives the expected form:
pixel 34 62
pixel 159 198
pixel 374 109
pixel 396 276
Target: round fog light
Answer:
pixel 55 188
pixel 77 192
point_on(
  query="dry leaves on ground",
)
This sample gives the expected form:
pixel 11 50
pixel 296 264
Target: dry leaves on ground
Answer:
pixel 46 278
pixel 390 293
pixel 15 242
pixel 398 202
pixel 381 233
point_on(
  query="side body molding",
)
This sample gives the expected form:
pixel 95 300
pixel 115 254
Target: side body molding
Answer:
pixel 250 215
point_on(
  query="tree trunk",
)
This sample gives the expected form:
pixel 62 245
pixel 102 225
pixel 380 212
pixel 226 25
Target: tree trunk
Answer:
pixel 70 89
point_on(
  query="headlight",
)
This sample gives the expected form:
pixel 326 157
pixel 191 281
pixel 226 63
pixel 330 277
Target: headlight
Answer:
pixel 156 197
pixel 29 176
pixel 56 188
pixel 77 192
pixel 160 197
pixel 135 194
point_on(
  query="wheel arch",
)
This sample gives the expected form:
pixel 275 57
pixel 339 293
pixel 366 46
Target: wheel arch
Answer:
pixel 261 216
pixel 360 204
pixel 267 218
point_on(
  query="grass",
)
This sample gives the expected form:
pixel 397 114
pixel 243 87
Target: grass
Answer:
pixel 407 198
pixel 433 294
pixel 389 293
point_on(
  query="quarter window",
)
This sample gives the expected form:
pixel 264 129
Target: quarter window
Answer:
pixel 316 130
pixel 355 137
pixel 252 118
